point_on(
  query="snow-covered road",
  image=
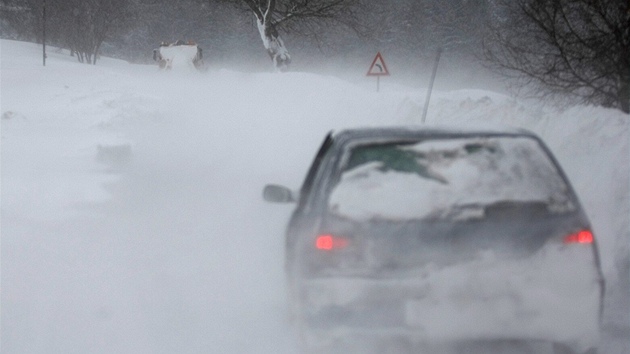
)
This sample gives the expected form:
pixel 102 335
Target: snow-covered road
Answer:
pixel 132 217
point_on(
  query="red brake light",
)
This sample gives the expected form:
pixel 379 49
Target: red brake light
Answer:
pixel 329 242
pixel 584 236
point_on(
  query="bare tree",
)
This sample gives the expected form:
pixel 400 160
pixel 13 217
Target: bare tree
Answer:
pixel 79 25
pixel 274 15
pixel 579 48
pixel 83 25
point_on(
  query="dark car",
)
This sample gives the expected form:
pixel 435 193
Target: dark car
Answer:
pixel 440 240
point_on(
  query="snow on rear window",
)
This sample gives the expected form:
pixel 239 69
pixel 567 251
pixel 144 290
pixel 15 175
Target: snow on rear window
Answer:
pixel 433 178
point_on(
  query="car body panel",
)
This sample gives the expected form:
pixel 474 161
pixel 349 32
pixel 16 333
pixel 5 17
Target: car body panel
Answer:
pixel 494 267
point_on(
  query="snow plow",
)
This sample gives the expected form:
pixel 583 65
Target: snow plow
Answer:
pixel 178 54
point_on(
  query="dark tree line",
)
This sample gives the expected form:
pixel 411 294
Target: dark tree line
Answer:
pixel 79 25
pixel 21 19
pixel 569 48
pixel 418 26
pixel 579 48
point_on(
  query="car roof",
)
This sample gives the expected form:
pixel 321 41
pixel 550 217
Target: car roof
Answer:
pixel 394 133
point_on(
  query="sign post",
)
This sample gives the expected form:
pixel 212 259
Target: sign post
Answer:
pixel 44 32
pixel 435 67
pixel 378 69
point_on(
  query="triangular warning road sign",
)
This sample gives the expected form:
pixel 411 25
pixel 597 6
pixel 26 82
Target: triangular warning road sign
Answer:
pixel 378 67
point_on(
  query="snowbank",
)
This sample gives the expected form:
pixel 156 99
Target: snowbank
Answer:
pixel 158 241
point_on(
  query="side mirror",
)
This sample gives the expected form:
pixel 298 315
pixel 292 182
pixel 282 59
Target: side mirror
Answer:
pixel 279 194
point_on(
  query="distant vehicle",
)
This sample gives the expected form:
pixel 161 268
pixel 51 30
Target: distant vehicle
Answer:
pixel 440 240
pixel 178 53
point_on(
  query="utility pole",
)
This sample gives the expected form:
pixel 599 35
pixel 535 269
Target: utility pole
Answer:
pixel 426 103
pixel 44 32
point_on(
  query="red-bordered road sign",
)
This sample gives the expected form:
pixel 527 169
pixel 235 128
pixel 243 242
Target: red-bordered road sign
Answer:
pixel 378 67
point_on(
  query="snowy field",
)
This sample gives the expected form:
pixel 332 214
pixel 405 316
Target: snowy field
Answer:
pixel 132 217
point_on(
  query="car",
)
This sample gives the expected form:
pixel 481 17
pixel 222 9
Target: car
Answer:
pixel 440 239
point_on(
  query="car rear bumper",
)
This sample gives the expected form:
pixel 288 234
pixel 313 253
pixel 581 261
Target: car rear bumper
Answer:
pixel 544 298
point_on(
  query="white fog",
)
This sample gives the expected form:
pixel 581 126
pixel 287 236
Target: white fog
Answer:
pixel 132 210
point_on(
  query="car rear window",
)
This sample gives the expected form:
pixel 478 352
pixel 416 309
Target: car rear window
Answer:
pixel 447 178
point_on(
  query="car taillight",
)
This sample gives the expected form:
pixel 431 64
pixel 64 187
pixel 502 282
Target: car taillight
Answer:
pixel 330 242
pixel 583 236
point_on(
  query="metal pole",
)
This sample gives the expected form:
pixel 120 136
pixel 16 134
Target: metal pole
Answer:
pixel 44 33
pixel 426 103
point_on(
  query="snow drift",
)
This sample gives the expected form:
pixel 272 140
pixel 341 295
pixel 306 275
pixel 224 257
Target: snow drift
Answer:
pixel 159 241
